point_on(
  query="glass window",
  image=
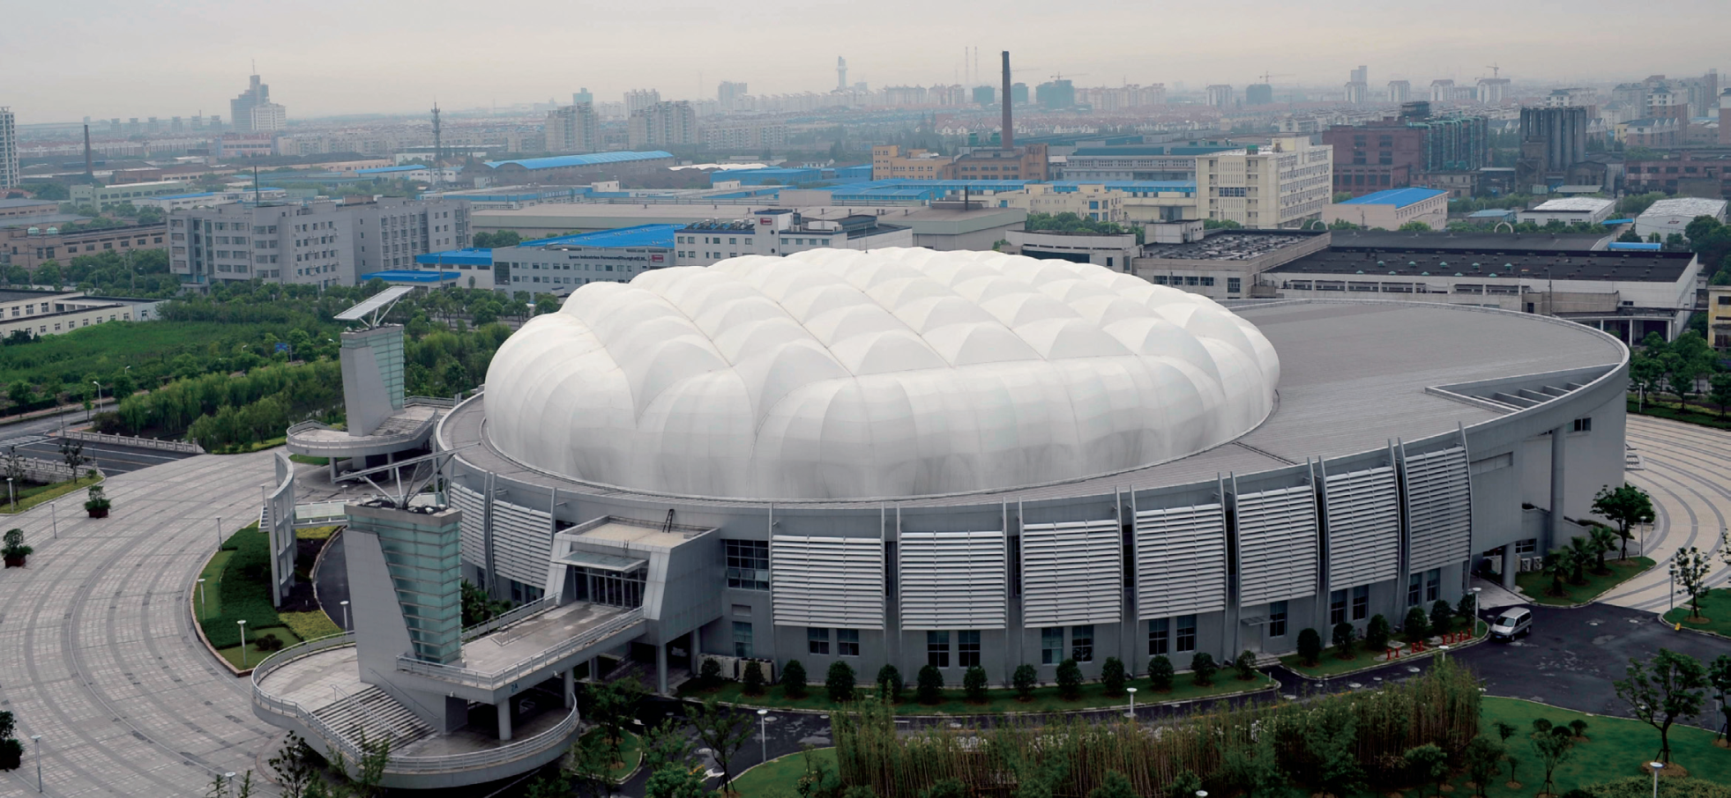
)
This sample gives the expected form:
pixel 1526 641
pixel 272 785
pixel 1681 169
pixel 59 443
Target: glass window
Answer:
pixel 968 648
pixel 1159 637
pixel 1082 643
pixel 747 564
pixel 847 642
pixel 1277 619
pixel 938 649
pixel 1336 607
pixel 1361 603
pixel 742 639
pixel 1051 645
pixel 817 641
pixel 1186 633
pixel 1413 595
pixel 1433 584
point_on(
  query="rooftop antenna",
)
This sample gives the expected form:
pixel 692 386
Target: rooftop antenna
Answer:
pixel 257 197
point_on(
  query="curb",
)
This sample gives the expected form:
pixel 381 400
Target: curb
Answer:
pixel 198 627
pixel 1273 689
pixel 741 774
pixel 1594 600
pixel 313 573
pixel 1409 658
pixel 1660 617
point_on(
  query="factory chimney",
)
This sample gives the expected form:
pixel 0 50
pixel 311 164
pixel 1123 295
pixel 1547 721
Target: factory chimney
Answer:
pixel 1009 136
pixel 89 164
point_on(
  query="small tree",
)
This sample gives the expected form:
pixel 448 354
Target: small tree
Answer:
pixel 1430 762
pixel 1578 728
pixel 1069 680
pixel 753 682
pixel 11 750
pixel 1024 680
pixel 1483 756
pixel 1603 540
pixel 1202 668
pixel 1184 785
pixel 1552 750
pixel 1376 634
pixel 929 687
pixel 98 502
pixel 1112 676
pixel 1514 766
pixel 1442 617
pixel 709 674
pixel 1663 690
pixel 1309 647
pixel 14 549
pixel 1345 635
pixel 1624 506
pixel 1467 610
pixel 974 684
pixel 1719 675
pixel 793 679
pixel 1505 730
pixel 1160 673
pixel 1689 570
pixel 612 706
pixel 1245 665
pixel 1115 785
pixel 839 682
pixel 890 684
pixel 1559 565
pixel 724 731
pixel 1417 625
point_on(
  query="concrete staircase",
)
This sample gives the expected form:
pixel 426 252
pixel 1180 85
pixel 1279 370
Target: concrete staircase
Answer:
pixel 373 711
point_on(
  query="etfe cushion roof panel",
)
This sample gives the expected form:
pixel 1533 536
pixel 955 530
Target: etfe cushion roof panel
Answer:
pixel 898 372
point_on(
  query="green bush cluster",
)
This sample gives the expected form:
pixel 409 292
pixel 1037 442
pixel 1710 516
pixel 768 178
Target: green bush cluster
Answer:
pixel 244 588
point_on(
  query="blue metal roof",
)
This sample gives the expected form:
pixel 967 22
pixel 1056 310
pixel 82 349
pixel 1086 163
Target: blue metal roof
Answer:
pixel 1398 197
pixel 385 170
pixel 643 235
pixel 406 276
pixel 1630 245
pixel 472 256
pixel 594 159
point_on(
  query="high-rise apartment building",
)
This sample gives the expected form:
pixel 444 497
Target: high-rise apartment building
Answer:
pixel 269 118
pixel 1259 94
pixel 240 108
pixel 639 99
pixel 1399 91
pixel 1442 90
pixel 728 93
pixel 1360 75
pixel 1219 95
pixel 582 97
pixel 664 124
pixel 8 149
pixel 1284 184
pixel 573 129
pixel 1357 93
pixel 320 243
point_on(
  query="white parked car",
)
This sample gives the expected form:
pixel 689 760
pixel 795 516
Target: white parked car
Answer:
pixel 1514 622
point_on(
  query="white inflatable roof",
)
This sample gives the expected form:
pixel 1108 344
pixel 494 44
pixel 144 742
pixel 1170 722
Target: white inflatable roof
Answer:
pixel 895 372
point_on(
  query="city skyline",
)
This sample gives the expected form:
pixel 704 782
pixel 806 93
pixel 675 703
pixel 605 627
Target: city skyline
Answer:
pixel 529 50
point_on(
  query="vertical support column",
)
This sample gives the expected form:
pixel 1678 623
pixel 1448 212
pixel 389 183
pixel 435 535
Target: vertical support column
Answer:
pixel 504 720
pixel 570 680
pixel 1511 565
pixel 661 668
pixel 1559 436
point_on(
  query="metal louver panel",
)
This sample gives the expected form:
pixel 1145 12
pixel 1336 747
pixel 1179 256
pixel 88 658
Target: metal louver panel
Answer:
pixel 1363 527
pixel 1276 545
pixel 1439 509
pixel 522 543
pixel 951 580
pixel 474 534
pixel 827 581
pixel 1072 573
pixel 1180 561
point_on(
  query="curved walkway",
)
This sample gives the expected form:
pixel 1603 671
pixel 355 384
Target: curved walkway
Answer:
pixel 97 650
pixel 1687 469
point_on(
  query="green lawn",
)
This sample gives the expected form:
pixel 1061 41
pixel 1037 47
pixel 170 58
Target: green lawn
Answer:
pixel 630 750
pixel 1715 606
pixel 308 459
pixel 1330 663
pixel 37 494
pixel 779 778
pixel 1046 699
pixel 248 448
pixel 1537 585
pixel 1615 749
pixel 237 585
pixel 253 655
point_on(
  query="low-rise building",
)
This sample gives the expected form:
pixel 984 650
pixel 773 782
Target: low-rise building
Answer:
pixel 1224 264
pixel 1114 251
pixel 1283 185
pixel 1691 173
pixel 1569 210
pixel 561 264
pixel 15 208
pixel 36 313
pixel 571 169
pixel 1669 216
pixel 104 197
pixel 1172 162
pixel 206 199
pixel 780 232
pixel 1093 202
pixel 1719 316
pixel 1392 209
pixel 32 246
pixel 889 162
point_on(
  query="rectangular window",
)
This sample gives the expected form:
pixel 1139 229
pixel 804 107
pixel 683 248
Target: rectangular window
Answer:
pixel 1361 602
pixel 1159 637
pixel 1528 546
pixel 1583 425
pixel 1413 590
pixel 747 564
pixel 1433 584
pixel 1336 607
pixel 1082 643
pixel 847 642
pixel 817 641
pixel 1277 619
pixel 1051 645
pixel 938 649
pixel 1233 285
pixel 1186 634
pixel 968 648
pixel 742 639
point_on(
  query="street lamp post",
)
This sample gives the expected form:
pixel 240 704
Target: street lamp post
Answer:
pixel 37 739
pixel 345 616
pixel 1132 713
pixel 54 514
pixel 1656 766
pixel 242 623
pixel 219 532
pixel 11 498
pixel 1442 653
pixel 92 415
pixel 763 732
pixel 203 606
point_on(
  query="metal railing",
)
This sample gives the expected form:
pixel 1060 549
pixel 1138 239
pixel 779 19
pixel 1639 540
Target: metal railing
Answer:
pixel 338 743
pixel 419 431
pixel 185 447
pixel 496 679
pixel 431 401
pixel 535 607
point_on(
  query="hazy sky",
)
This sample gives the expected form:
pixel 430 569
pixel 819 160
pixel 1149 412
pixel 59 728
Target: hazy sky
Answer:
pixel 107 58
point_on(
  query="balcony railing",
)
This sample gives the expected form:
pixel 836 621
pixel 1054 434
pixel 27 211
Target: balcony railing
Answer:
pixel 496 679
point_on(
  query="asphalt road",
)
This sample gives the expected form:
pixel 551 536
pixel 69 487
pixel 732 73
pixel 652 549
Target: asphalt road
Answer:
pixel 33 440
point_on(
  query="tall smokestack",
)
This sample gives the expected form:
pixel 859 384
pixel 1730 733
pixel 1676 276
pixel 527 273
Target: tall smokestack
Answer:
pixel 1009 137
pixel 89 164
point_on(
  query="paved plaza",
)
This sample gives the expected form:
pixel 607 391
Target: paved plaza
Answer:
pixel 97 650
pixel 1684 468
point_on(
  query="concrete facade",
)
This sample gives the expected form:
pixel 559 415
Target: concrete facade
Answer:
pixel 1391 209
pixel 31 249
pixel 573 129
pixel 1283 185
pixel 319 243
pixel 104 197
pixel 9 175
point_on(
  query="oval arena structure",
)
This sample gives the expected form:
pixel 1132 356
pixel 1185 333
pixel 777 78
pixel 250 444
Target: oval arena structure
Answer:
pixel 908 457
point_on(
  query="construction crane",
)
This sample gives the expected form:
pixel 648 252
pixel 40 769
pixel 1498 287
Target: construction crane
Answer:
pixel 1267 75
pixel 1496 71
pixel 1060 75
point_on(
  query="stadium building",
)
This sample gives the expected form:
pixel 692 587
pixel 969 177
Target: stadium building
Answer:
pixel 911 457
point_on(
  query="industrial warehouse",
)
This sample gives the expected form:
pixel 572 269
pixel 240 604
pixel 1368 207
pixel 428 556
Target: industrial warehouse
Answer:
pixel 953 458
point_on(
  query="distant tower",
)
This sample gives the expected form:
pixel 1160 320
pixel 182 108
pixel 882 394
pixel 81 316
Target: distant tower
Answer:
pixel 840 73
pixel 89 162
pixel 438 140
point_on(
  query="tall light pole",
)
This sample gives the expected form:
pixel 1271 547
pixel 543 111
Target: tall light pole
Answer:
pixel 345 615
pixel 763 732
pixel 203 606
pixel 219 532
pixel 54 514
pixel 11 498
pixel 1656 766
pixel 92 415
pixel 37 739
pixel 242 623
pixel 1132 713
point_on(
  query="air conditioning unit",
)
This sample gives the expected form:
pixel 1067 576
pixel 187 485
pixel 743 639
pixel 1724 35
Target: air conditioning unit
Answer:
pixel 1526 564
